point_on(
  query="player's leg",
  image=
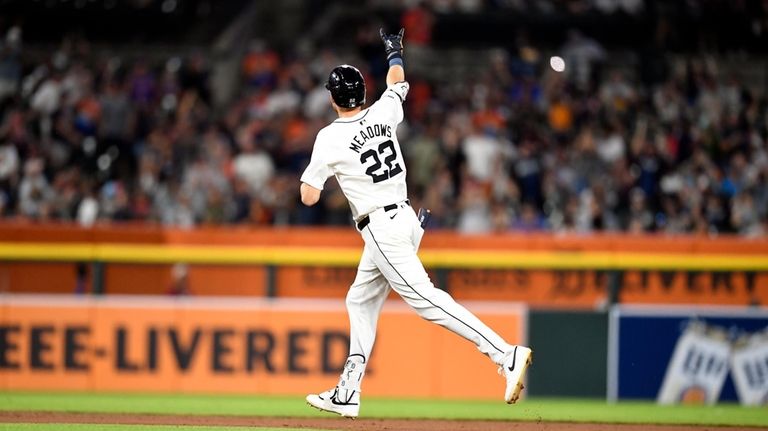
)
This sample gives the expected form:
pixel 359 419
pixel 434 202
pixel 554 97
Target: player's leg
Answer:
pixel 393 245
pixel 364 300
pixel 392 248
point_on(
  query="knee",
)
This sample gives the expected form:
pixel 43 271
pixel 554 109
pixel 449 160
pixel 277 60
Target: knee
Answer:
pixel 353 300
pixel 428 296
pixel 438 296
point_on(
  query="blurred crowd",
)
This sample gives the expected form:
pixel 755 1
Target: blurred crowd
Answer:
pixel 553 152
pixel 544 6
pixel 518 147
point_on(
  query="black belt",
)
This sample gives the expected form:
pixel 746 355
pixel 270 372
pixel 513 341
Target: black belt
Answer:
pixel 365 220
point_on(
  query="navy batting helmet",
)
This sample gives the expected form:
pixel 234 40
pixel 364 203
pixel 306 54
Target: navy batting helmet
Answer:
pixel 347 86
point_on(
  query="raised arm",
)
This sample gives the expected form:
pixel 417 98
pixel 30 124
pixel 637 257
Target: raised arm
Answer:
pixel 396 73
pixel 393 46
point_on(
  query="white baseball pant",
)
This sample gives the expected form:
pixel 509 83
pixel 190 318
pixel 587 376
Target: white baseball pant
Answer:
pixel 389 259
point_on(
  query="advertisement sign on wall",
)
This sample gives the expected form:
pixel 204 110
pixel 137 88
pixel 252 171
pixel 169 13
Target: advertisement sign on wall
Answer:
pixel 217 345
pixel 677 354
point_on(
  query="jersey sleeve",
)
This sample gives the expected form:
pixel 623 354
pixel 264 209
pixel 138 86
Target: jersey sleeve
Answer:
pixel 317 171
pixel 393 97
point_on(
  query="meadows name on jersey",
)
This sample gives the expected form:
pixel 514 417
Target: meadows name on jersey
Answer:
pixel 367 133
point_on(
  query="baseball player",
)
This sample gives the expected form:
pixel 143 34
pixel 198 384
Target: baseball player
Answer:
pixel 361 150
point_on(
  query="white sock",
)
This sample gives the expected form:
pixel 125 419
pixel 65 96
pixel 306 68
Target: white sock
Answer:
pixel 351 378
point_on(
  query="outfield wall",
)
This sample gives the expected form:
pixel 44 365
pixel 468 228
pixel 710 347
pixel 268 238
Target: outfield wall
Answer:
pixel 287 346
pixel 568 281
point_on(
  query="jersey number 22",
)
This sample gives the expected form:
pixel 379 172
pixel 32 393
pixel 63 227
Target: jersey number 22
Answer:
pixel 375 171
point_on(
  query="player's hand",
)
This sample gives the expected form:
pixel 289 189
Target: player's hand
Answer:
pixel 393 43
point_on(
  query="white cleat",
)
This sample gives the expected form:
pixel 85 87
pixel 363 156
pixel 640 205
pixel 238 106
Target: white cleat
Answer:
pixel 513 368
pixel 329 401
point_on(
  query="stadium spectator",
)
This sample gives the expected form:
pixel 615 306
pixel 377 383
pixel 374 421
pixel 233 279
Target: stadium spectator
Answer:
pixel 522 148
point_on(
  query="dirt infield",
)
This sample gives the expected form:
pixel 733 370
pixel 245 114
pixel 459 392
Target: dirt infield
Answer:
pixel 335 423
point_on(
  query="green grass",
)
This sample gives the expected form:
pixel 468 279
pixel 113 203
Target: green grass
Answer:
pixel 82 427
pixel 537 409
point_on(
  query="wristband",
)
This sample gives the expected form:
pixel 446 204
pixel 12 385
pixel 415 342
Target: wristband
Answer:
pixel 396 61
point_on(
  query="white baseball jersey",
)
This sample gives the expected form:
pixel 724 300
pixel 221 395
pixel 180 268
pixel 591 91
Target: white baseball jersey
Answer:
pixel 364 155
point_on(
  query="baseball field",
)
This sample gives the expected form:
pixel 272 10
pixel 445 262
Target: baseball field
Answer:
pixel 35 411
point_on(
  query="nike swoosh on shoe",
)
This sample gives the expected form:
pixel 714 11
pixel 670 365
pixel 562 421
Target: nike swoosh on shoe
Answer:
pixel 514 359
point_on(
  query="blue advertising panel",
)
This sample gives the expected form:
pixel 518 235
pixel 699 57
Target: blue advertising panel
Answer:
pixel 642 339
